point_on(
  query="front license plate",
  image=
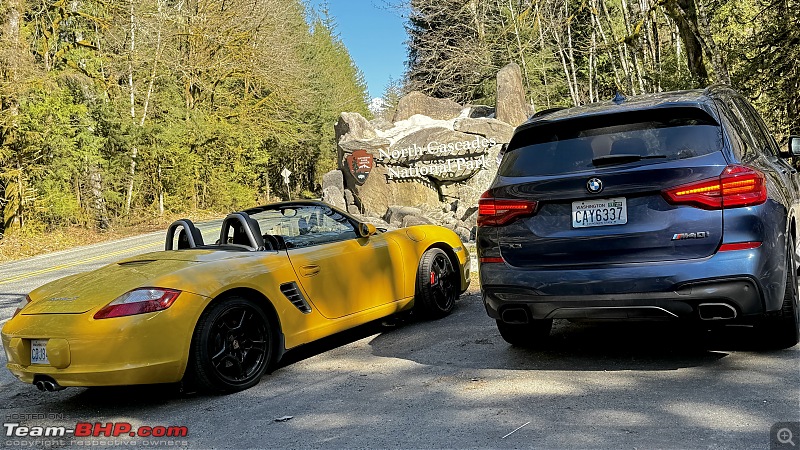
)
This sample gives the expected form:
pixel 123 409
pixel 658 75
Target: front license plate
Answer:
pixel 599 212
pixel 39 351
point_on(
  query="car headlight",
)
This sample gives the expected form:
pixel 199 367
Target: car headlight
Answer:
pixel 22 304
pixel 139 301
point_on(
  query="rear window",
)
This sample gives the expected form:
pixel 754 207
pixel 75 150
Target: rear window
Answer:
pixel 568 146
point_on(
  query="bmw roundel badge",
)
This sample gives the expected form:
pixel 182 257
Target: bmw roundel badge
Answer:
pixel 594 185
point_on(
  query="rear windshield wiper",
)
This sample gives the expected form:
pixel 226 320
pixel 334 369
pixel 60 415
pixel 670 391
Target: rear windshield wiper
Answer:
pixel 622 158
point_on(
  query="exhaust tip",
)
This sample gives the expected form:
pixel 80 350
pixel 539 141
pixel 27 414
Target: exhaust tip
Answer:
pixel 47 384
pixel 515 315
pixel 716 311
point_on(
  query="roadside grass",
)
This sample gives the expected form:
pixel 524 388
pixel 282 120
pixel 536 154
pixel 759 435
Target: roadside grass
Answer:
pixel 33 241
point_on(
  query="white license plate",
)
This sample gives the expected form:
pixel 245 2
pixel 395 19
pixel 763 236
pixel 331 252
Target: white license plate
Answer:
pixel 599 212
pixel 39 351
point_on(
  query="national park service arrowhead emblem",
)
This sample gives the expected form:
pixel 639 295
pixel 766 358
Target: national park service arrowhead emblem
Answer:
pixel 360 164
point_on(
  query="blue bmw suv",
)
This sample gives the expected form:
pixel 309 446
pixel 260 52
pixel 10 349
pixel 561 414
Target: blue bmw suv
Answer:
pixel 675 205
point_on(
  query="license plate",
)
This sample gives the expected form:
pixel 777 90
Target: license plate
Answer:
pixel 39 351
pixel 599 212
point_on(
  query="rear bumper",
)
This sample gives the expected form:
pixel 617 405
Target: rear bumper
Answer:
pixel 742 296
pixel 750 281
pixel 140 349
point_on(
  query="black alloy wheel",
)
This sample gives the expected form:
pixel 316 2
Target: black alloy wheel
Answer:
pixel 232 346
pixel 437 284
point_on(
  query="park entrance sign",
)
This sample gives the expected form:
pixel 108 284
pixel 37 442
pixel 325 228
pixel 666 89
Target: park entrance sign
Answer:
pixel 429 165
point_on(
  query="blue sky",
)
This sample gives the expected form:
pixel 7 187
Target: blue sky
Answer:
pixel 373 32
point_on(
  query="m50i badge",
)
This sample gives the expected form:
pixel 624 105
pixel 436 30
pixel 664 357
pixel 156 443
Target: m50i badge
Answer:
pixel 696 235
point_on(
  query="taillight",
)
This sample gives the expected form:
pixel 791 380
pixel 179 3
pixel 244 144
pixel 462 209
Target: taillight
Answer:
pixel 494 212
pixel 22 304
pixel 139 301
pixel 736 187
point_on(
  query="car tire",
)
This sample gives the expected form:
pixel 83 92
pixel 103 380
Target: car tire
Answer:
pixel 232 346
pixel 437 285
pixel 530 335
pixel 783 330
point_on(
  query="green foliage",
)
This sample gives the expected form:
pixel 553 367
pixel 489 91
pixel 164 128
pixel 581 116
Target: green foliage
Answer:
pixel 574 52
pixel 113 109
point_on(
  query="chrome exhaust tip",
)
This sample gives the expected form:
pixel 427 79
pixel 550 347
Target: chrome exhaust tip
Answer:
pixel 515 315
pixel 716 311
pixel 48 385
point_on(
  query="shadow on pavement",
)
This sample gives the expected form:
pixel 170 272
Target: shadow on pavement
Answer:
pixel 469 339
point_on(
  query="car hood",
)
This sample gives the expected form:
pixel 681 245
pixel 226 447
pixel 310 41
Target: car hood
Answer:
pixel 80 293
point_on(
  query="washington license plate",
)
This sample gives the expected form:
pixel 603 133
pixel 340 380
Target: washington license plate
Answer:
pixel 599 212
pixel 39 351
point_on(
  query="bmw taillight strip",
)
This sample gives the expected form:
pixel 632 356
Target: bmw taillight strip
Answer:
pixel 736 187
pixel 739 246
pixel 501 211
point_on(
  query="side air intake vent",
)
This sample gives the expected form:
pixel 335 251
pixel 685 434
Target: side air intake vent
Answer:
pixel 291 292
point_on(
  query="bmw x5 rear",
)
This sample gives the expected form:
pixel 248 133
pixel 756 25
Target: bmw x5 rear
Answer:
pixel 668 206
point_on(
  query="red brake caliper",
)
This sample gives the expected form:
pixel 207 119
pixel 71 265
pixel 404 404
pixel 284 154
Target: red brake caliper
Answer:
pixel 433 277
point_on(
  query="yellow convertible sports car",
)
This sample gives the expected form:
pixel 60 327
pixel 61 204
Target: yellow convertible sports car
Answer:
pixel 220 315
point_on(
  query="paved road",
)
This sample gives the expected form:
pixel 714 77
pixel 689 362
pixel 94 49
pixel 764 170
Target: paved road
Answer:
pixel 450 383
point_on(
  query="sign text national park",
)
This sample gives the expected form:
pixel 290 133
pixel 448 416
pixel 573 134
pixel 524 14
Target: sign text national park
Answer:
pixel 435 158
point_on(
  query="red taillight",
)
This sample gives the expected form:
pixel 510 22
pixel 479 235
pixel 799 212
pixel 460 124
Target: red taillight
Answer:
pixel 739 246
pixel 494 212
pixel 139 301
pixel 736 187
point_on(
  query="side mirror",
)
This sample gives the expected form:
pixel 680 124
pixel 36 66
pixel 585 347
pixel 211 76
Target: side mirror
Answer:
pixel 366 229
pixel 794 145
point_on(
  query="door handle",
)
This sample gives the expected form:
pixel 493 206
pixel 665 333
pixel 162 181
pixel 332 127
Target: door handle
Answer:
pixel 309 271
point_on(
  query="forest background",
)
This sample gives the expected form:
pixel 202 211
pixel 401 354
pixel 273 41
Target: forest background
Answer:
pixel 117 111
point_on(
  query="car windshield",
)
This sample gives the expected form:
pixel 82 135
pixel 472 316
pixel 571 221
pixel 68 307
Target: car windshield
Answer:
pixel 303 226
pixel 648 137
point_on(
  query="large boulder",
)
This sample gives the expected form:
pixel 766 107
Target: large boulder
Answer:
pixel 418 103
pixel 395 213
pixel 465 194
pixel 333 178
pixel 497 130
pixel 378 192
pixel 511 105
pixel 352 125
pixel 332 195
pixel 478 111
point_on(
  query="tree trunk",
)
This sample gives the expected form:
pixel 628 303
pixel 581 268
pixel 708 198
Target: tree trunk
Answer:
pixel 710 46
pixel 98 201
pixel 684 14
pixel 599 25
pixel 623 58
pixel 134 149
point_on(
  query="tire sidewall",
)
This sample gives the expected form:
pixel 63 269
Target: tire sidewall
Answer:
pixel 204 373
pixel 425 301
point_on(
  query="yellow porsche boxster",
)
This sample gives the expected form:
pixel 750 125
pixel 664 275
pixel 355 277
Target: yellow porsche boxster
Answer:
pixel 220 315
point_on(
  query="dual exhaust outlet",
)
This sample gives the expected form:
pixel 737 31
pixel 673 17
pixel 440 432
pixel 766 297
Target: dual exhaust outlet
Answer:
pixel 48 385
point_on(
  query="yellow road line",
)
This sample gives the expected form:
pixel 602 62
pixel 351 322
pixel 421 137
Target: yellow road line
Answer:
pixel 76 263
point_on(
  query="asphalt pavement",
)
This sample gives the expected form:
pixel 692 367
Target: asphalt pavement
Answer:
pixel 451 383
